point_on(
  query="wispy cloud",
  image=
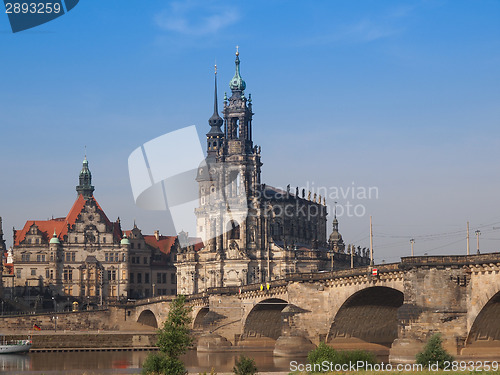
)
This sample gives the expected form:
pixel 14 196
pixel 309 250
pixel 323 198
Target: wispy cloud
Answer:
pixel 365 30
pixel 196 18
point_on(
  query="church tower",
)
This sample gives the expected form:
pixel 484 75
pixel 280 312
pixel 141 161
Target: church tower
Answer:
pixel 250 232
pixel 85 188
pixel 239 153
pixel 228 179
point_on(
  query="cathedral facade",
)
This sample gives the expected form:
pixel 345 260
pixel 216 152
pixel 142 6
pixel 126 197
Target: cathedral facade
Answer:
pixel 251 232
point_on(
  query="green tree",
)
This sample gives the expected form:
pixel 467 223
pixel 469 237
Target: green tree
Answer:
pixel 434 352
pixel 173 340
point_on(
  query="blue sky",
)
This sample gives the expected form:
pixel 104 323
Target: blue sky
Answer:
pixel 400 95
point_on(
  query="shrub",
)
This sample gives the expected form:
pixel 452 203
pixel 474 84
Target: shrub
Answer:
pixel 434 352
pixel 212 372
pixel 353 356
pixel 245 366
pixel 159 363
pixel 326 353
pixel 322 353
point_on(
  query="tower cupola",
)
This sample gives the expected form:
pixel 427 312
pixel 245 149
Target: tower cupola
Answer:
pixel 237 84
pixel 85 188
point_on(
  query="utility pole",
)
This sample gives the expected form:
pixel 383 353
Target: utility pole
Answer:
pixel 412 241
pixel 468 240
pixel 371 242
pixel 268 262
pixel 478 232
pixel 352 256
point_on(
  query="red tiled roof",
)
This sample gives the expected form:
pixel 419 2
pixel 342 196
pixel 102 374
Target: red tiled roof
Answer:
pixel 197 243
pixel 163 243
pixel 60 225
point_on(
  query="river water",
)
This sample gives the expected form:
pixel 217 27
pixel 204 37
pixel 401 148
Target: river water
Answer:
pixel 128 362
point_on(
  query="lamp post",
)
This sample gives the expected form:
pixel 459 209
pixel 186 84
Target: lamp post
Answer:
pixel 54 318
pixel 412 241
pixel 478 232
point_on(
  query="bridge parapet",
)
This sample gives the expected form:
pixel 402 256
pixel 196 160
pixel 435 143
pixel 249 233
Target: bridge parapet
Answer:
pixel 449 260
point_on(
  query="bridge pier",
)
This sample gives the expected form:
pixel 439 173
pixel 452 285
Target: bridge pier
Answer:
pixel 291 343
pixel 435 301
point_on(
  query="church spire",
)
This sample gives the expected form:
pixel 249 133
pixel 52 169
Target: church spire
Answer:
pixel 215 135
pixel 85 188
pixel 215 121
pixel 2 242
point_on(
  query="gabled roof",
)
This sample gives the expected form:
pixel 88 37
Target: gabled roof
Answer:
pixel 60 225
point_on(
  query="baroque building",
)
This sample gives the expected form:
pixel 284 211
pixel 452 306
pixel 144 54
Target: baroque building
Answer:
pixel 89 258
pixel 250 232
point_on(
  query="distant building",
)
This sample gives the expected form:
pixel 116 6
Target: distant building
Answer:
pixel 3 254
pixel 85 256
pixel 251 232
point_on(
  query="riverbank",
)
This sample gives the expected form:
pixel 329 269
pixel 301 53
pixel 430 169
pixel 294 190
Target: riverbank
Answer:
pixel 89 340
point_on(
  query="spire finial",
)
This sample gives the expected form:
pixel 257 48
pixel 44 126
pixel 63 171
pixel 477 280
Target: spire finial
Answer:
pixel 237 50
pixel 335 210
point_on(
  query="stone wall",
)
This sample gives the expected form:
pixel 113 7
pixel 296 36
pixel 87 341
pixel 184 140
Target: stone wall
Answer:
pixel 109 320
pixel 44 340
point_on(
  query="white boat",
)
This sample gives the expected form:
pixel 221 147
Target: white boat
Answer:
pixel 15 346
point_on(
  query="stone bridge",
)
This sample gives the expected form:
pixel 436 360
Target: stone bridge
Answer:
pixel 392 312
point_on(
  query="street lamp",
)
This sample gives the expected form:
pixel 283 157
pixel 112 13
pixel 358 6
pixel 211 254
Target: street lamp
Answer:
pixel 412 241
pixel 478 232
pixel 54 318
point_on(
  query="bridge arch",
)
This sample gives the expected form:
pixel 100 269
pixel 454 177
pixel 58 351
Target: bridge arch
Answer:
pixel 268 311
pixel 484 334
pixel 198 321
pixel 147 317
pixel 367 320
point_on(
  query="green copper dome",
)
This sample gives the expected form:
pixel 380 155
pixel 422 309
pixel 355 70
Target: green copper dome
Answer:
pixel 124 240
pixel 237 83
pixel 54 239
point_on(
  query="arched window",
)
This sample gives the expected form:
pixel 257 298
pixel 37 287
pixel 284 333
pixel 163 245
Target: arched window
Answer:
pixel 234 230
